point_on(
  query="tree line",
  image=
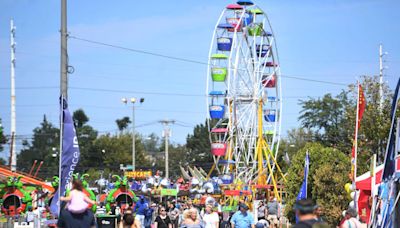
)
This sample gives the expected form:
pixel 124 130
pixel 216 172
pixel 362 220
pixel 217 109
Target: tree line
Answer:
pixel 110 151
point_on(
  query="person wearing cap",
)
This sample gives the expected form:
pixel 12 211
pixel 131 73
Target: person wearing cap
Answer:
pixel 242 219
pixel 305 213
pixel 140 209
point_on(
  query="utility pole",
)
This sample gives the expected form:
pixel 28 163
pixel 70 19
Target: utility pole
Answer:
pixel 381 68
pixel 63 86
pixel 166 134
pixel 64 63
pixel 13 155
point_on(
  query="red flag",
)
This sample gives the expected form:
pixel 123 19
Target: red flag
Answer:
pixel 361 103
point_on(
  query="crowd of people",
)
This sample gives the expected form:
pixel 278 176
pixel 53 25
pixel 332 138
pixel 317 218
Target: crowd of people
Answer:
pixel 170 213
pixel 182 213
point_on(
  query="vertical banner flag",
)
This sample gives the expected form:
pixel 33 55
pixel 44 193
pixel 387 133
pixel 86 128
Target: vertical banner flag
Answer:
pixel 303 190
pixel 390 161
pixel 69 157
pixel 361 103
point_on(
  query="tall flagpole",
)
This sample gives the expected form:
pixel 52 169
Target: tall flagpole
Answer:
pixel 356 145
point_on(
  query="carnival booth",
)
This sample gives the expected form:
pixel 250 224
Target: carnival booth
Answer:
pixel 363 185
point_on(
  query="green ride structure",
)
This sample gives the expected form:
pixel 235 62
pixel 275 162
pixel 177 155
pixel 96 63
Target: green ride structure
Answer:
pixel 121 195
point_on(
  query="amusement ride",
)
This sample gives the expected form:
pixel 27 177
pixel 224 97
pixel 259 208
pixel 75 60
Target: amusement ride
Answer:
pixel 244 96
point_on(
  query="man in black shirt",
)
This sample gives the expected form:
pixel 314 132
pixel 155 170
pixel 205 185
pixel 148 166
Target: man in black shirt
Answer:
pixel 305 213
pixel 70 220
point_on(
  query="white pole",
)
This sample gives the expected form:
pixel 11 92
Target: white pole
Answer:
pixel 167 132
pixel 133 139
pixel 166 152
pixel 13 112
pixel 380 77
pixel 356 145
pixel 372 174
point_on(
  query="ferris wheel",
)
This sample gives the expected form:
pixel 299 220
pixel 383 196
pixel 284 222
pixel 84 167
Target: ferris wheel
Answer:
pixel 244 100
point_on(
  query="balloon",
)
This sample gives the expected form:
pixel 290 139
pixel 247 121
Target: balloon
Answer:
pixel 352 195
pixel 347 187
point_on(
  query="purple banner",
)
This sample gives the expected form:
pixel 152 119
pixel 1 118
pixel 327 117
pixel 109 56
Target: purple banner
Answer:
pixel 303 189
pixel 70 158
pixel 390 155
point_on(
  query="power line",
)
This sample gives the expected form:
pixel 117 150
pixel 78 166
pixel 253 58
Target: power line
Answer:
pixel 139 51
pixel 141 92
pixel 184 59
pixel 31 87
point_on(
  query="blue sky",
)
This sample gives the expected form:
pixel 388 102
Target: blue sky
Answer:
pixel 331 40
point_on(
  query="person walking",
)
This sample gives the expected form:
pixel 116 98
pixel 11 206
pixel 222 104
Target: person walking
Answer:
pixel 148 217
pixel 318 213
pixel 129 220
pixel 351 220
pixel 261 211
pixel 162 220
pixel 242 219
pixel 272 212
pixel 305 213
pixel 192 219
pixel 140 209
pixel 173 214
pixel 210 218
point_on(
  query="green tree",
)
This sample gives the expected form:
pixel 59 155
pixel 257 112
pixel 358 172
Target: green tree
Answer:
pixel 123 123
pixel 152 143
pixel 326 116
pixel 86 136
pixel 45 138
pixel 199 146
pixel 177 155
pixel 80 118
pixel 117 149
pixel 332 120
pixel 295 140
pixel 328 173
pixel 3 139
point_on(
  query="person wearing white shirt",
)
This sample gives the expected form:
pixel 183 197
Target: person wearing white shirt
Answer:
pixel 210 218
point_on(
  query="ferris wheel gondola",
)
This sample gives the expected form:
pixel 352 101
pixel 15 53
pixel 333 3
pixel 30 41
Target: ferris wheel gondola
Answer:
pixel 244 96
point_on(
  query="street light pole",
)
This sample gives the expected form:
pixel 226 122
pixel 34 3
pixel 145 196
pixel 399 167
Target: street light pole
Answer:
pixel 133 101
pixel 133 138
